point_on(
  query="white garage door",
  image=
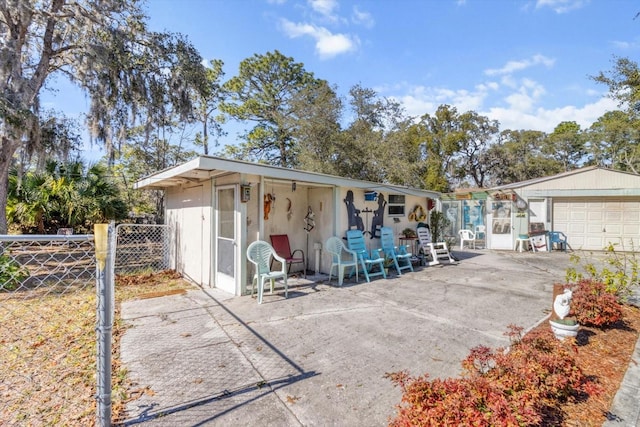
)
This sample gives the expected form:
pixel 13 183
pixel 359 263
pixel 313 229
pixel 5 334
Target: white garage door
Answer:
pixel 592 223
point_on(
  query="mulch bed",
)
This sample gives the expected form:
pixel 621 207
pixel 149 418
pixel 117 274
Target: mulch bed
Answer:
pixel 604 355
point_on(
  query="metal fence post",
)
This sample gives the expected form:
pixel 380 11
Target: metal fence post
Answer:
pixel 105 251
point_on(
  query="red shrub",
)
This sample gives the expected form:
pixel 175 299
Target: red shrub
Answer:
pixel 592 305
pixel 499 388
pixel 464 401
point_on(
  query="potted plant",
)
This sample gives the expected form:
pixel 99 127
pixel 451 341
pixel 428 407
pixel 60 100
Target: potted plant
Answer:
pixel 409 233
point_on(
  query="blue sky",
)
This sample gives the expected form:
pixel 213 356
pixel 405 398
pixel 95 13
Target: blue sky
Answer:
pixel 525 63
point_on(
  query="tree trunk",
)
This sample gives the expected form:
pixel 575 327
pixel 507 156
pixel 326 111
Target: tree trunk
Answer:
pixel 7 150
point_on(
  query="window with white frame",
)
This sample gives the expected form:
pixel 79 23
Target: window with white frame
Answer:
pixel 396 205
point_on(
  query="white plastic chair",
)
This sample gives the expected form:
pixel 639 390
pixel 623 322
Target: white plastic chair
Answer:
pixel 341 258
pixel 436 251
pixel 260 254
pixel 467 236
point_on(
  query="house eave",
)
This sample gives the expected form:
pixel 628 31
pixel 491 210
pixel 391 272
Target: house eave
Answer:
pixel 206 167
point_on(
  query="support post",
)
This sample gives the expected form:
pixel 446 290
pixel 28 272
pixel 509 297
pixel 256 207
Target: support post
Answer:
pixel 105 261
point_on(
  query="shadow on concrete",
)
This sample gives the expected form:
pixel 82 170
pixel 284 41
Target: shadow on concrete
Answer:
pixel 269 386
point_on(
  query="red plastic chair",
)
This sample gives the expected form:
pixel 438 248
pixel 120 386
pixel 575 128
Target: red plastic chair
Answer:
pixel 280 243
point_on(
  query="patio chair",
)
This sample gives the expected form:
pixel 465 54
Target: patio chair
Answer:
pixel 435 251
pixel 341 258
pixel 356 243
pixel 467 236
pixel 559 239
pixel 280 243
pixel 401 258
pixel 260 254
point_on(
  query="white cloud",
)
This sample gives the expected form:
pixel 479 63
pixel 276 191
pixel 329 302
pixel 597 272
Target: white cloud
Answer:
pixel 421 100
pixel 625 45
pixel 362 18
pixel 324 7
pixel 561 6
pixel 328 44
pixel 546 120
pixel 487 86
pixel 513 66
pixel 519 109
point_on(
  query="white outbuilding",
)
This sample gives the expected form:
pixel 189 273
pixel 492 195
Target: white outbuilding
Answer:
pixel 216 207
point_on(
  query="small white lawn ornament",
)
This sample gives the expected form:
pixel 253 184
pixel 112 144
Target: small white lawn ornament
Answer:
pixel 562 303
pixel 562 306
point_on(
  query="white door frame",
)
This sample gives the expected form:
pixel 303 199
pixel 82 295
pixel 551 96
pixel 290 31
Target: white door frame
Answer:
pixel 227 242
pixel 500 218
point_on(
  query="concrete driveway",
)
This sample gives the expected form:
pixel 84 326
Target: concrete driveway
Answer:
pixel 320 357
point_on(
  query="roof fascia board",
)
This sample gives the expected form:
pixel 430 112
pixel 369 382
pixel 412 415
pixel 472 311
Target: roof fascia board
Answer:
pixel 167 174
pixel 582 193
pixel 544 178
pixel 208 163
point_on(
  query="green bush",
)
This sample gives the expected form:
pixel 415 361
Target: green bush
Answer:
pixel 12 274
pixel 619 271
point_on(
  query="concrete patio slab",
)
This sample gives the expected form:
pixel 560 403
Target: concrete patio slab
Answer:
pixel 320 357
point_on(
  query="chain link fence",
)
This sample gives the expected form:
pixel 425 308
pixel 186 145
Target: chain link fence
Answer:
pixel 48 320
pixel 47 329
pixel 142 248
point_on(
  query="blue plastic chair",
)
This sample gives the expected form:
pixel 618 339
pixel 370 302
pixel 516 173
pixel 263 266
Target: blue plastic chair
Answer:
pixel 356 243
pixel 401 258
pixel 559 239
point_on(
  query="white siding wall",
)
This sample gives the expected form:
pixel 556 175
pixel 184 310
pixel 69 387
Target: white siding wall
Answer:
pixel 189 212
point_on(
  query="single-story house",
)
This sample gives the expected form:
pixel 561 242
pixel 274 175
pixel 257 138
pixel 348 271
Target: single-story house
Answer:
pixel 592 206
pixel 217 207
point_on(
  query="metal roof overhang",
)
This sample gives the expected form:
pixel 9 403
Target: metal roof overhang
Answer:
pixel 207 167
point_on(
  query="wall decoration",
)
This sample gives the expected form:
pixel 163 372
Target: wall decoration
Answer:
pixel 268 202
pixel 473 213
pixel 377 222
pixel 309 220
pixel 418 214
pixel 452 214
pixel 370 196
pixel 353 213
pixel 289 209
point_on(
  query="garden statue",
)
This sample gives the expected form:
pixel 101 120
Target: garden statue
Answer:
pixel 563 327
